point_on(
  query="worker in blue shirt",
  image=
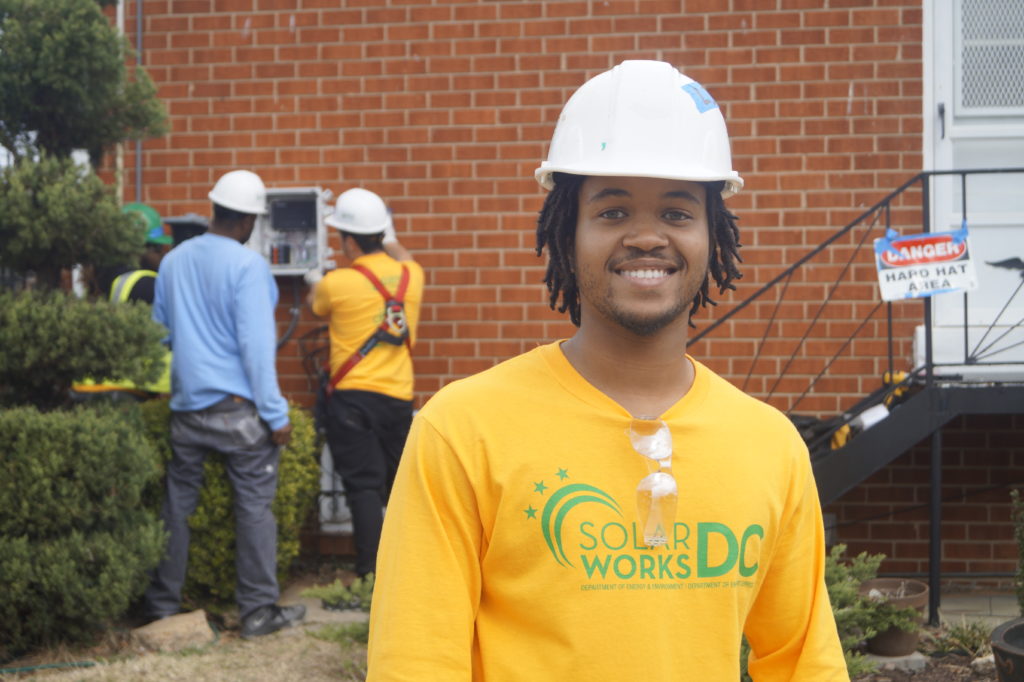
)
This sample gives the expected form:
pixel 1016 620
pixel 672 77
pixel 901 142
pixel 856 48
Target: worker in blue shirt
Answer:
pixel 216 298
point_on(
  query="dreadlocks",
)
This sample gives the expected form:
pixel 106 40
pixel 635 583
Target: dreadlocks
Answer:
pixel 556 230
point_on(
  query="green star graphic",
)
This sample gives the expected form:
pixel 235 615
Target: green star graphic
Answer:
pixel 563 474
pixel 539 487
pixel 531 513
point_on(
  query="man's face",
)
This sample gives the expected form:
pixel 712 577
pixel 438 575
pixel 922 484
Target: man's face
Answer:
pixel 641 251
pixel 153 254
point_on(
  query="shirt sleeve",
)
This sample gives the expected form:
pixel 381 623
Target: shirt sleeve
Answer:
pixel 428 568
pixel 321 299
pixel 255 297
pixel 791 629
pixel 159 313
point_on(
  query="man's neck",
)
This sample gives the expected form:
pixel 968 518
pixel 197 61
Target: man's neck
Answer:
pixel 225 232
pixel 646 375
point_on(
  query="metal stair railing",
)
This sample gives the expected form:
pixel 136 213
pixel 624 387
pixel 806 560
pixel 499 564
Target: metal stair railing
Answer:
pixel 907 208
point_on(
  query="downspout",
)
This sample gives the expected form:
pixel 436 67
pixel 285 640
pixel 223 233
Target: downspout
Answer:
pixel 119 153
pixel 138 62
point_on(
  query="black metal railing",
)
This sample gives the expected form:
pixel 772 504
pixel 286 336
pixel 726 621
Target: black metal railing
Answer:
pixel 911 200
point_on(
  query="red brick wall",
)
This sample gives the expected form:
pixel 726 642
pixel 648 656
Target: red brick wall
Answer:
pixel 445 108
pixel 983 459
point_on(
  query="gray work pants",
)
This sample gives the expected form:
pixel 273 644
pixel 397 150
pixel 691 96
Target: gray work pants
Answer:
pixel 234 428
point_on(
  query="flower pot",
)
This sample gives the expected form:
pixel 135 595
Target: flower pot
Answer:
pixel 1008 649
pixel 901 593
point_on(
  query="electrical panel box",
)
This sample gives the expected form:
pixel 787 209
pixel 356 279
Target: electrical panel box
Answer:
pixel 291 235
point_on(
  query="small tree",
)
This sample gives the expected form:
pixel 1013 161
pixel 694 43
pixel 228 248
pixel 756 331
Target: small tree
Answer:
pixel 64 84
pixel 55 214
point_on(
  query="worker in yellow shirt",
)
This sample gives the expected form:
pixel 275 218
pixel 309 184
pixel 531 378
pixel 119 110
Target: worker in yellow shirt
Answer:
pixel 373 309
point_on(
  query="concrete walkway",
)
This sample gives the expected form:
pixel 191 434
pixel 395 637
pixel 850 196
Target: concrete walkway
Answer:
pixel 994 608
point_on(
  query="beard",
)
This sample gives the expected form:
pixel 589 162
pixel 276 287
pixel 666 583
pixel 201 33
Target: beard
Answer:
pixel 643 325
pixel 636 321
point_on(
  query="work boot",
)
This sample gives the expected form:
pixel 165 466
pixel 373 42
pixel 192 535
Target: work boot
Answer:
pixel 271 618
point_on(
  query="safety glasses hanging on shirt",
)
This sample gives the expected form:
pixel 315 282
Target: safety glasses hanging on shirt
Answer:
pixel 657 492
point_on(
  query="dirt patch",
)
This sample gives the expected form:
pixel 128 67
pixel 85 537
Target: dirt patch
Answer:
pixel 288 655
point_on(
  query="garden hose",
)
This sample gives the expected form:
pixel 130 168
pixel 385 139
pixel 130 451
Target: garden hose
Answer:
pixel 46 666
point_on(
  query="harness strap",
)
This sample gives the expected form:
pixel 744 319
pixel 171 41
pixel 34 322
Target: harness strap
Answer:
pixel 382 329
pixel 403 283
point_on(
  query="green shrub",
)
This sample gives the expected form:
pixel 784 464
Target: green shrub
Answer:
pixel 54 215
pixel 971 638
pixel 859 618
pixel 74 544
pixel 65 589
pixel 49 340
pixel 358 595
pixel 211 564
pixel 78 470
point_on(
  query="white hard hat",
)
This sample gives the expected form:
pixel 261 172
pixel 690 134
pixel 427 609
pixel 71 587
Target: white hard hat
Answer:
pixel 642 119
pixel 360 211
pixel 242 191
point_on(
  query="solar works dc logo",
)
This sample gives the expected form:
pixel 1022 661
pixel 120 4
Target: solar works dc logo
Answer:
pixel 704 554
pixel 558 506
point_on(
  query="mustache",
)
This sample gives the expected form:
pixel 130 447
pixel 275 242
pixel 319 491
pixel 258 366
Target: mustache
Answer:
pixel 633 253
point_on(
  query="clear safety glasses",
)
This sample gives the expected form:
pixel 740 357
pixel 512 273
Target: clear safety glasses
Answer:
pixel 657 492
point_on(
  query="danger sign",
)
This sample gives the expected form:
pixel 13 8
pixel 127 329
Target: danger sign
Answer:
pixel 923 265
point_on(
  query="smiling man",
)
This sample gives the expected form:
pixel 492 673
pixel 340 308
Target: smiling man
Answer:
pixel 605 507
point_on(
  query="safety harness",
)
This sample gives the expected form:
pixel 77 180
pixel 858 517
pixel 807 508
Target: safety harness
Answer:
pixel 393 329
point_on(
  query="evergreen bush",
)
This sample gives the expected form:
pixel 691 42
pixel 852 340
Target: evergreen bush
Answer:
pixel 859 618
pixel 47 340
pixel 74 543
pixel 65 83
pixel 55 214
pixel 211 574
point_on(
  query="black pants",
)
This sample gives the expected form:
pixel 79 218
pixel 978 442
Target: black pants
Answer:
pixel 366 433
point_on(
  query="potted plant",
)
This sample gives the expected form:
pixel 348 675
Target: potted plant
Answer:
pixel 858 617
pixel 899 614
pixel 1008 638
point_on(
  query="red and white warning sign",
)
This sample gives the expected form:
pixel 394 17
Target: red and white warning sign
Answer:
pixel 924 264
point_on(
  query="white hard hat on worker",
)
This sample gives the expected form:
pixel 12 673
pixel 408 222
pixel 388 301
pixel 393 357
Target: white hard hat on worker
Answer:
pixel 642 119
pixel 242 191
pixel 360 211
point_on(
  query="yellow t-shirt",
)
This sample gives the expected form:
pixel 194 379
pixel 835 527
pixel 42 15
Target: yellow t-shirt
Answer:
pixel 356 309
pixel 512 549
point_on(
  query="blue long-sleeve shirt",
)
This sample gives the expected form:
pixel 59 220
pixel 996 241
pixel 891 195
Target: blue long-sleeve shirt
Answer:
pixel 216 298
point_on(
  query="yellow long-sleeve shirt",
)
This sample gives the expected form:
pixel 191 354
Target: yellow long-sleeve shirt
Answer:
pixel 512 548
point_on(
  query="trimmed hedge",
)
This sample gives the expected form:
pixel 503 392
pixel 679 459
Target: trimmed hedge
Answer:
pixel 49 340
pixel 79 470
pixel 74 543
pixel 211 563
